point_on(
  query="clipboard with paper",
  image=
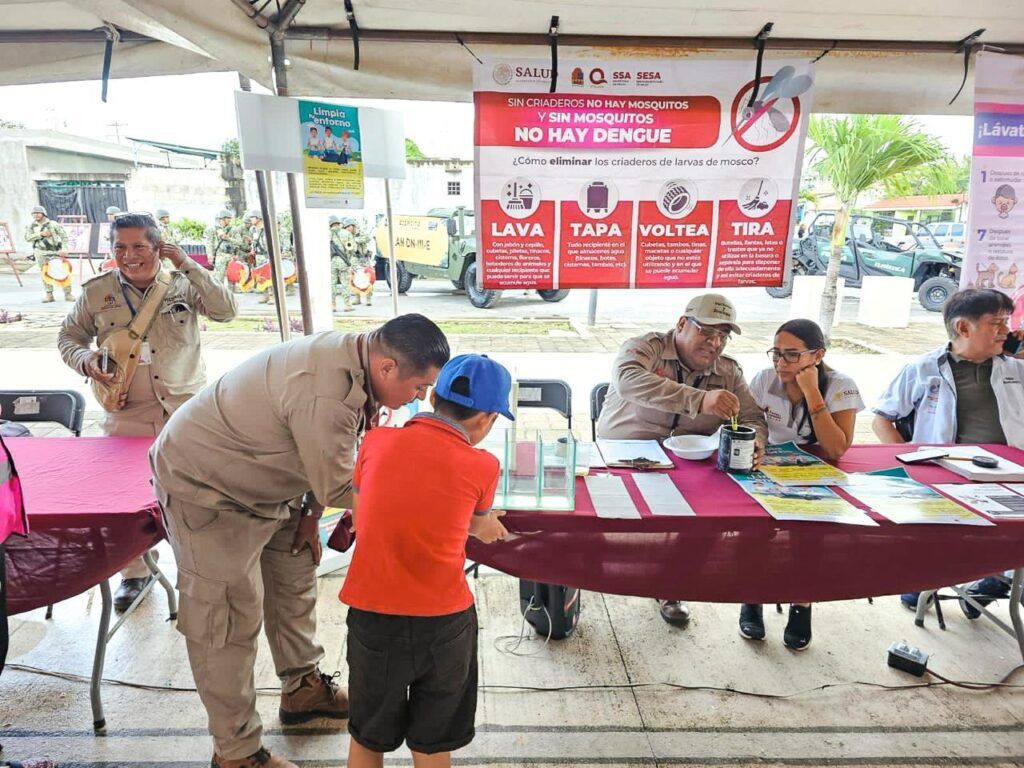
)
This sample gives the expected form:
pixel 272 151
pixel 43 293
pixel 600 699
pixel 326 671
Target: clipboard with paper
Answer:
pixel 634 454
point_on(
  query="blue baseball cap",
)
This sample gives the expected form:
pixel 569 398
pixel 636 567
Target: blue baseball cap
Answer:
pixel 489 384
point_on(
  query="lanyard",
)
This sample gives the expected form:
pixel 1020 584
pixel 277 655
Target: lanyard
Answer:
pixel 127 300
pixel 679 380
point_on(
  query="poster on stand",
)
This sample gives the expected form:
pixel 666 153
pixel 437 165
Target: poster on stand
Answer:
pixel 995 224
pixel 332 155
pixel 637 174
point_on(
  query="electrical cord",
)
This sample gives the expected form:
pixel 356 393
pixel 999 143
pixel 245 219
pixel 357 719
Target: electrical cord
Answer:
pixel 509 644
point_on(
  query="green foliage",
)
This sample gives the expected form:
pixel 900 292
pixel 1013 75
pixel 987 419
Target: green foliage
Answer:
pixel 188 229
pixel 856 152
pixel 412 150
pixel 230 148
pixel 948 175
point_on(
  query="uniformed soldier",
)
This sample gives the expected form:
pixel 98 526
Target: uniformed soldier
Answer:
pixel 365 255
pixel 163 220
pixel 49 240
pixel 258 235
pixel 243 472
pixel 355 244
pixel 221 244
pixel 342 255
pixel 680 383
pixel 112 213
pixel 170 367
pixel 242 235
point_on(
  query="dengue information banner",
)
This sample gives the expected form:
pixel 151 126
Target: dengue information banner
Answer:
pixel 645 174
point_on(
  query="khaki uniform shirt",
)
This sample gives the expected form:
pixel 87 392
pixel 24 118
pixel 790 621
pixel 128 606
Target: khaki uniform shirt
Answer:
pixel 176 371
pixel 282 423
pixel 651 389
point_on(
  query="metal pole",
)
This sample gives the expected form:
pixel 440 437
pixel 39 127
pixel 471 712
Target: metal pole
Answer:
pixel 277 58
pixel 592 309
pixel 392 264
pixel 264 185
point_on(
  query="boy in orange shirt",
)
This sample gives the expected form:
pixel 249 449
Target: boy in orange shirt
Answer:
pixel 412 628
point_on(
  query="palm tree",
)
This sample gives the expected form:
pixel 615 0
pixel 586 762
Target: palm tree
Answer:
pixel 948 175
pixel 854 153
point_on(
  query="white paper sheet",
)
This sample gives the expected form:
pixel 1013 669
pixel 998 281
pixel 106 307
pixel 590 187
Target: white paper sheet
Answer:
pixel 610 497
pixel 1006 472
pixel 991 498
pixel 622 451
pixel 663 497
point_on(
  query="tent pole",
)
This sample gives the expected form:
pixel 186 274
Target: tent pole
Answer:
pixel 265 186
pixel 392 263
pixel 592 308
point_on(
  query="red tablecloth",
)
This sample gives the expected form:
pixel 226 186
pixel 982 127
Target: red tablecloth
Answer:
pixel 733 551
pixel 91 511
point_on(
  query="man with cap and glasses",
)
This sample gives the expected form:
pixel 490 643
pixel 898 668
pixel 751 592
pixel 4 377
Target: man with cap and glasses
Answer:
pixel 680 383
pixel 49 241
pixel 170 367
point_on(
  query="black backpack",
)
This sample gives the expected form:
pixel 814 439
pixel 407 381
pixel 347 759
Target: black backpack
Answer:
pixel 550 609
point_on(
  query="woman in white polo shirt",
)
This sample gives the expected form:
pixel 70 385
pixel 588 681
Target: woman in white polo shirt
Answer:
pixel 804 402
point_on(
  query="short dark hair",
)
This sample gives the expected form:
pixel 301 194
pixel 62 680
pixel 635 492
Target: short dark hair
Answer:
pixel 971 304
pixel 453 410
pixel 136 221
pixel 415 341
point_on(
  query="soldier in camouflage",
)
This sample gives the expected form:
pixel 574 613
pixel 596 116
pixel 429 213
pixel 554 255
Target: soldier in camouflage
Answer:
pixel 343 247
pixel 112 212
pixel 49 240
pixel 365 255
pixel 242 235
pixel 221 245
pixel 163 221
pixel 361 257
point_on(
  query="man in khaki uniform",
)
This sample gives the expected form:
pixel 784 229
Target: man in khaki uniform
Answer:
pixel 680 383
pixel 171 368
pixel 243 472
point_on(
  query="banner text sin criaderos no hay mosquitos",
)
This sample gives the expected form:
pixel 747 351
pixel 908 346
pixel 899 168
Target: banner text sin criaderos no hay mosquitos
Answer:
pixel 646 174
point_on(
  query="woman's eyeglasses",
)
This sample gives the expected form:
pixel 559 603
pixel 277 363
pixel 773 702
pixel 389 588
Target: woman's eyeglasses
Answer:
pixel 789 355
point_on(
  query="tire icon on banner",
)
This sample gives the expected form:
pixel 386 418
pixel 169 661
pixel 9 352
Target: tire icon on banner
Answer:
pixel 677 198
pixel 598 198
pixel 520 197
pixel 758 197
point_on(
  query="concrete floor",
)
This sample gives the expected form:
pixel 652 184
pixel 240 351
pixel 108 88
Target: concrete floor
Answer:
pixel 613 699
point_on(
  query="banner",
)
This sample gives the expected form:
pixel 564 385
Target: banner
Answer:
pixel 332 155
pixel 79 235
pixel 637 174
pixel 418 239
pixel 6 243
pixel 103 239
pixel 995 222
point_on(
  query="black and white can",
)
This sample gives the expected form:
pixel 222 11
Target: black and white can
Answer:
pixel 736 449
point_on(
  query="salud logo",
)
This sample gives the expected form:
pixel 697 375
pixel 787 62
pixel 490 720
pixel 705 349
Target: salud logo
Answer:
pixel 502 74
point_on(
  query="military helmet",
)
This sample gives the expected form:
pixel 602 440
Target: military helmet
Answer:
pixel 348 221
pixel 224 214
pixel 332 220
pixel 113 209
pixel 252 215
pixel 38 209
pixel 162 213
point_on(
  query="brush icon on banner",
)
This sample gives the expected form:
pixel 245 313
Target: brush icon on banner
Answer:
pixel 519 197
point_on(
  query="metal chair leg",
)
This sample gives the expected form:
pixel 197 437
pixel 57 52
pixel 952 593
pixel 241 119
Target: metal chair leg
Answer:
pixel 172 603
pixel 49 612
pixel 1015 592
pixel 99 722
pixel 923 599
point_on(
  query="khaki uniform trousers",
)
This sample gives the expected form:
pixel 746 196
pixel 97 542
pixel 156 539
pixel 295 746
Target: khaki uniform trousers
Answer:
pixel 144 416
pixel 236 572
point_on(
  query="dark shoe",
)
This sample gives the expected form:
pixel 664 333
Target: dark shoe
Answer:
pixel 985 592
pixel 127 592
pixel 317 696
pixel 261 759
pixel 751 622
pixel 909 600
pixel 798 629
pixel 675 612
pixel 32 762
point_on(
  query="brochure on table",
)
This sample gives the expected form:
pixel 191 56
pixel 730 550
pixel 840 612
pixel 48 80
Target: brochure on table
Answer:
pixel 810 503
pixel 896 496
pixel 788 465
pixel 1006 471
pixel 998 501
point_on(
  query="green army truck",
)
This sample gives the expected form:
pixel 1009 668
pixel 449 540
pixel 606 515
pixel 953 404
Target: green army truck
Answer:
pixel 441 245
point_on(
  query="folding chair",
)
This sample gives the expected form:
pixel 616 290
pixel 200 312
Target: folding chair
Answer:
pixel 597 396
pixel 546 393
pixel 59 406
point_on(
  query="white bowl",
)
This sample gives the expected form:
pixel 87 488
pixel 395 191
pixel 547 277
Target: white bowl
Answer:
pixel 693 447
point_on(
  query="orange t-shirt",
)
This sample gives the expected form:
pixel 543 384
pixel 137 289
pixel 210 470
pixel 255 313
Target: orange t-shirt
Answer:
pixel 419 486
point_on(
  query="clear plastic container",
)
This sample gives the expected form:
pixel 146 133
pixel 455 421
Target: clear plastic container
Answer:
pixel 538 468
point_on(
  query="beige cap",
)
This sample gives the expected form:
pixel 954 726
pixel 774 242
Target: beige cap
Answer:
pixel 713 309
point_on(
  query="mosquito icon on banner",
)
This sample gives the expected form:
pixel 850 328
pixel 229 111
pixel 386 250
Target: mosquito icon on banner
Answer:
pixel 773 117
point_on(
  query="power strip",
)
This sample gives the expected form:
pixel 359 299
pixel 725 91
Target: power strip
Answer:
pixel 908 658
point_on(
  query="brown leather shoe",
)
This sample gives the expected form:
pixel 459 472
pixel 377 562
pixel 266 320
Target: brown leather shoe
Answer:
pixel 675 612
pixel 261 759
pixel 317 696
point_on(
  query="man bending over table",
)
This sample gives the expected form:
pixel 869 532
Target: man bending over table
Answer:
pixel 966 391
pixel 680 383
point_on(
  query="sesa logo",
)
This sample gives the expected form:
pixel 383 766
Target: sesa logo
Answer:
pixel 502 74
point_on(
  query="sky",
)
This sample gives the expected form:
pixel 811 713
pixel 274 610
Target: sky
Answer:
pixel 198 110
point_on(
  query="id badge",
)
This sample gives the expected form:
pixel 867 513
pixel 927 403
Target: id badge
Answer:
pixel 145 355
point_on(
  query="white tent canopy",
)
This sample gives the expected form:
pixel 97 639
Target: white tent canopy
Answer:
pixel 890 57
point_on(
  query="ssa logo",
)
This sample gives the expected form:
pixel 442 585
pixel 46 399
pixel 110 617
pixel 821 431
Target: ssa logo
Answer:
pixel 502 74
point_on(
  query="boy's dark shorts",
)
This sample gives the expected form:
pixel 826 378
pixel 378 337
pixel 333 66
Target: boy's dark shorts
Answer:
pixel 412 679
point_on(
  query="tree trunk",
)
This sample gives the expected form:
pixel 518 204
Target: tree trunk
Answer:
pixel 829 295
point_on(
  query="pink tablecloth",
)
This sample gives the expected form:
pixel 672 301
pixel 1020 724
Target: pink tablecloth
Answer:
pixel 733 551
pixel 91 511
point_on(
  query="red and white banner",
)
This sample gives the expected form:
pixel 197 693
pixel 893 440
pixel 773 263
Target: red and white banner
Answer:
pixel 641 174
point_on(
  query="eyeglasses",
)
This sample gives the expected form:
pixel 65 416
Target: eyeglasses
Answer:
pixel 789 355
pixel 710 333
